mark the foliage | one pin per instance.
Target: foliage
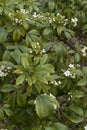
(43, 64)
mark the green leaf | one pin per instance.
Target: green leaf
(21, 99)
(49, 128)
(78, 94)
(59, 30)
(47, 32)
(68, 35)
(42, 79)
(29, 79)
(1, 114)
(6, 55)
(28, 40)
(44, 105)
(16, 34)
(82, 82)
(1, 9)
(12, 99)
(36, 128)
(76, 109)
(59, 126)
(8, 88)
(24, 61)
(60, 50)
(16, 56)
(43, 59)
(20, 79)
(85, 70)
(48, 67)
(77, 58)
(51, 4)
(7, 111)
(84, 27)
(3, 34)
(48, 46)
(75, 119)
(7, 64)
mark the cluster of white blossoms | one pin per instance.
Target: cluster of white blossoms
(58, 18)
(56, 83)
(85, 128)
(24, 11)
(43, 50)
(4, 71)
(74, 21)
(17, 20)
(68, 73)
(35, 15)
(84, 51)
(37, 49)
(71, 66)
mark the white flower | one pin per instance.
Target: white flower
(9, 68)
(23, 11)
(52, 82)
(78, 65)
(67, 73)
(53, 19)
(84, 51)
(59, 82)
(55, 83)
(10, 14)
(85, 128)
(73, 76)
(52, 95)
(30, 51)
(74, 20)
(2, 74)
(38, 43)
(58, 14)
(71, 66)
(43, 50)
(50, 21)
(35, 15)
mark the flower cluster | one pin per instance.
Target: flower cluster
(18, 20)
(18, 15)
(58, 18)
(4, 71)
(68, 73)
(56, 83)
(24, 11)
(35, 15)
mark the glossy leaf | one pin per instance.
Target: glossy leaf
(45, 105)
(20, 79)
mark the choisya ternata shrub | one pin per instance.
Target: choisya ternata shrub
(43, 65)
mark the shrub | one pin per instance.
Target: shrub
(43, 64)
